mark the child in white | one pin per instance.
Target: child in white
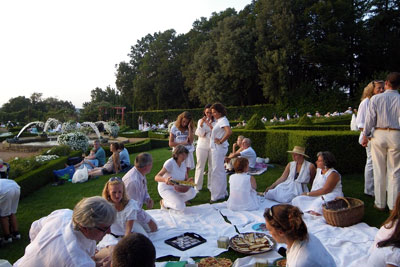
(243, 195)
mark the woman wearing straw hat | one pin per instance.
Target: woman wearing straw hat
(294, 179)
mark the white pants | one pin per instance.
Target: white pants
(369, 173)
(386, 162)
(176, 200)
(218, 175)
(202, 154)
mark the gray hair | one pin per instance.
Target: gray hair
(142, 160)
(179, 149)
(93, 211)
(328, 157)
(247, 141)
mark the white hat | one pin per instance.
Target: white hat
(299, 150)
(3, 168)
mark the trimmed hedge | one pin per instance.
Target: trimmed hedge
(158, 135)
(134, 135)
(275, 144)
(314, 127)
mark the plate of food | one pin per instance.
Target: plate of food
(183, 182)
(280, 262)
(252, 243)
(215, 262)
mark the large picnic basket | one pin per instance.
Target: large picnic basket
(343, 211)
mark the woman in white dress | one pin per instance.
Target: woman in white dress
(294, 179)
(182, 133)
(327, 184)
(219, 147)
(386, 248)
(285, 224)
(175, 196)
(373, 88)
(242, 187)
(203, 151)
(115, 192)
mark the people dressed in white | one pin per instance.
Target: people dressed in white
(286, 225)
(373, 88)
(203, 150)
(246, 151)
(242, 188)
(219, 148)
(383, 115)
(136, 188)
(182, 133)
(294, 179)
(68, 238)
(327, 184)
(9, 199)
(175, 196)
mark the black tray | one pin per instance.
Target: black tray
(186, 241)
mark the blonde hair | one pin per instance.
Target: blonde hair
(93, 211)
(115, 181)
(184, 115)
(369, 89)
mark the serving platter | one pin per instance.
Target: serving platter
(252, 243)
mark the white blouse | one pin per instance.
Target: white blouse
(204, 134)
(219, 132)
(174, 171)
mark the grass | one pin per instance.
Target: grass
(49, 198)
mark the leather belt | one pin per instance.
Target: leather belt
(388, 129)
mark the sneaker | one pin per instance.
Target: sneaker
(7, 239)
(16, 236)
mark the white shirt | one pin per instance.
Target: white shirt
(362, 112)
(204, 134)
(249, 154)
(380, 257)
(6, 185)
(241, 196)
(309, 252)
(180, 137)
(129, 213)
(54, 242)
(219, 132)
(174, 171)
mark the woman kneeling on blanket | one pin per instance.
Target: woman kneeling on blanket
(175, 196)
(294, 179)
(326, 186)
(385, 251)
(286, 225)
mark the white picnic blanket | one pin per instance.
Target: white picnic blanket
(346, 244)
(203, 220)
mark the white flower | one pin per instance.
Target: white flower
(75, 140)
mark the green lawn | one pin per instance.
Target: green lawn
(50, 198)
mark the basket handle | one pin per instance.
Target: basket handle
(345, 200)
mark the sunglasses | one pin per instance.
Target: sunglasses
(269, 213)
(102, 230)
(112, 179)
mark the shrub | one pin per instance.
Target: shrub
(75, 140)
(158, 134)
(324, 127)
(135, 134)
(61, 151)
(112, 128)
(305, 120)
(255, 123)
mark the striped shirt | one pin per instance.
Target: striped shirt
(383, 111)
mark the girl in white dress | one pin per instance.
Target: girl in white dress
(294, 179)
(243, 194)
(182, 133)
(219, 147)
(203, 151)
(327, 184)
(114, 192)
(285, 224)
(175, 196)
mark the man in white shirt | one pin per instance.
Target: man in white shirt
(136, 188)
(246, 151)
(384, 114)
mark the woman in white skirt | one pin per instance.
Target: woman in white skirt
(327, 184)
(242, 187)
(219, 147)
(175, 196)
(294, 179)
(182, 133)
(203, 151)
(373, 88)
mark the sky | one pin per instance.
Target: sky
(67, 48)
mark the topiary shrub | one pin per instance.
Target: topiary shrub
(60, 150)
(255, 123)
(305, 121)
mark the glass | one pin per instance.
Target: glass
(102, 230)
(112, 179)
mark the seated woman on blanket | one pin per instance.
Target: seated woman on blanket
(326, 186)
(386, 248)
(175, 196)
(286, 225)
(294, 179)
(243, 194)
(114, 192)
(113, 165)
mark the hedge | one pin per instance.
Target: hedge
(314, 127)
(274, 144)
(158, 135)
(134, 134)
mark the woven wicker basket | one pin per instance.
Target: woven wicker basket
(343, 211)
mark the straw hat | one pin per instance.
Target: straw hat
(3, 168)
(299, 150)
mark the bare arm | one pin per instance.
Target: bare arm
(159, 177)
(330, 184)
(313, 171)
(281, 179)
(228, 132)
(129, 226)
(253, 183)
